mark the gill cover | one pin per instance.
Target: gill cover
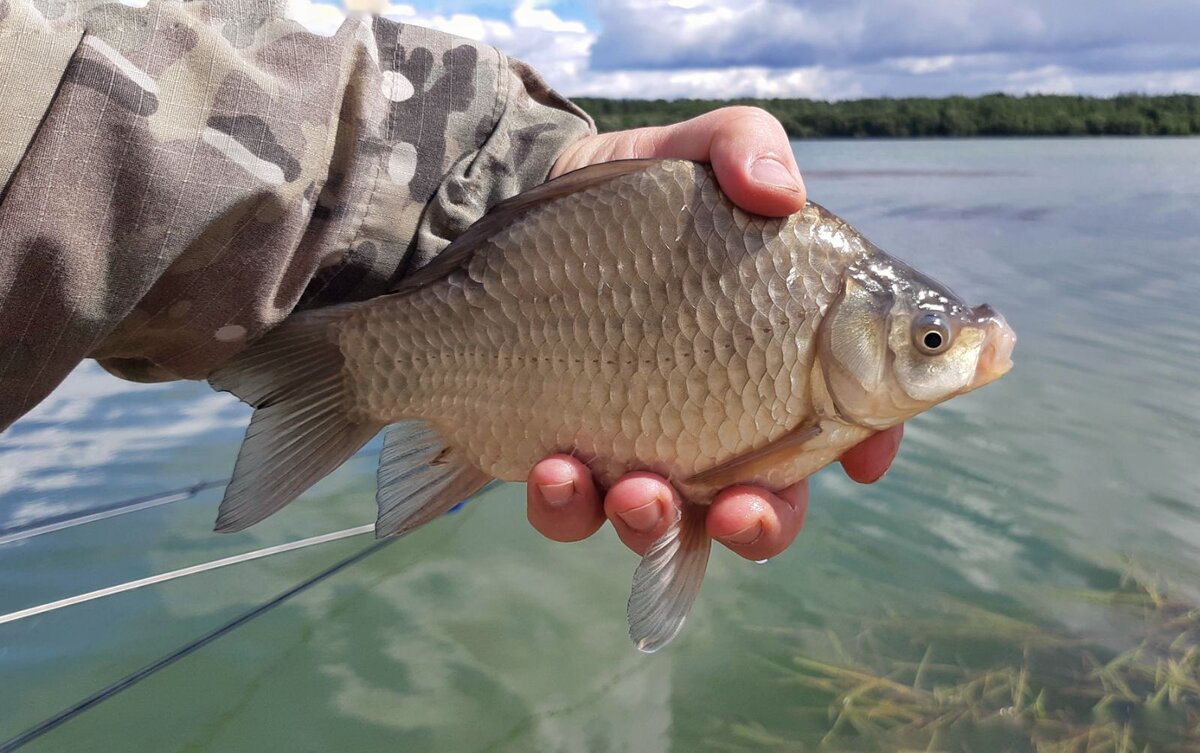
(853, 344)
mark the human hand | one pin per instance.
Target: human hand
(754, 165)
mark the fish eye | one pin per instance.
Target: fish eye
(931, 334)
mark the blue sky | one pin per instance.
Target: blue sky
(574, 10)
(829, 49)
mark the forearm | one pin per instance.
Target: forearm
(194, 179)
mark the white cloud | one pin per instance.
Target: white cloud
(560, 49)
(922, 65)
(528, 15)
(830, 49)
(556, 47)
(795, 33)
(740, 81)
(92, 421)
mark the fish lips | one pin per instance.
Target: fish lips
(995, 357)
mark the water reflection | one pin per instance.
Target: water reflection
(97, 438)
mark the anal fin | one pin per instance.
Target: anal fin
(420, 478)
(666, 582)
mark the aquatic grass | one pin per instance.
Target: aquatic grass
(922, 685)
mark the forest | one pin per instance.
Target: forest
(988, 115)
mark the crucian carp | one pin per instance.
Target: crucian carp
(627, 313)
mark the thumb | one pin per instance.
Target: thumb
(750, 154)
(747, 147)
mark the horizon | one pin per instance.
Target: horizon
(982, 95)
(820, 49)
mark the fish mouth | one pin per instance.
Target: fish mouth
(995, 357)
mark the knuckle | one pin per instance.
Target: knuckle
(644, 142)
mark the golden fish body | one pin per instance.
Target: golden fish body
(627, 313)
(669, 339)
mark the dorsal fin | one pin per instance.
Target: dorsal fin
(503, 214)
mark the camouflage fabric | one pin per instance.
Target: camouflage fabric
(178, 178)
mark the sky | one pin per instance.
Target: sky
(823, 49)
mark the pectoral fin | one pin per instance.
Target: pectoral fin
(749, 465)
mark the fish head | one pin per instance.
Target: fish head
(894, 343)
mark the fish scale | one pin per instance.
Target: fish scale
(627, 313)
(502, 358)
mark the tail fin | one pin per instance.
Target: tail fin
(668, 579)
(299, 433)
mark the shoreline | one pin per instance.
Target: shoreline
(986, 116)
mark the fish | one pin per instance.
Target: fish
(629, 314)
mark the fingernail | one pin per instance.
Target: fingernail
(747, 535)
(557, 495)
(772, 172)
(761, 562)
(643, 518)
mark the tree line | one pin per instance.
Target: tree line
(988, 115)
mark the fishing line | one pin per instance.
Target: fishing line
(133, 678)
(52, 523)
(91, 515)
(185, 571)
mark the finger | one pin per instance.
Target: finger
(867, 461)
(755, 523)
(561, 499)
(751, 156)
(748, 148)
(641, 506)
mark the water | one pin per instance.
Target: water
(1005, 513)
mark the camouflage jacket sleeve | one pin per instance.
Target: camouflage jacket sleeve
(178, 178)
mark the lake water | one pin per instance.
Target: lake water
(993, 545)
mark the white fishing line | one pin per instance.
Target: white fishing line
(10, 534)
(120, 509)
(183, 572)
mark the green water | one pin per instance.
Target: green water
(475, 634)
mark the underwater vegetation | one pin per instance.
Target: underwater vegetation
(978, 681)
